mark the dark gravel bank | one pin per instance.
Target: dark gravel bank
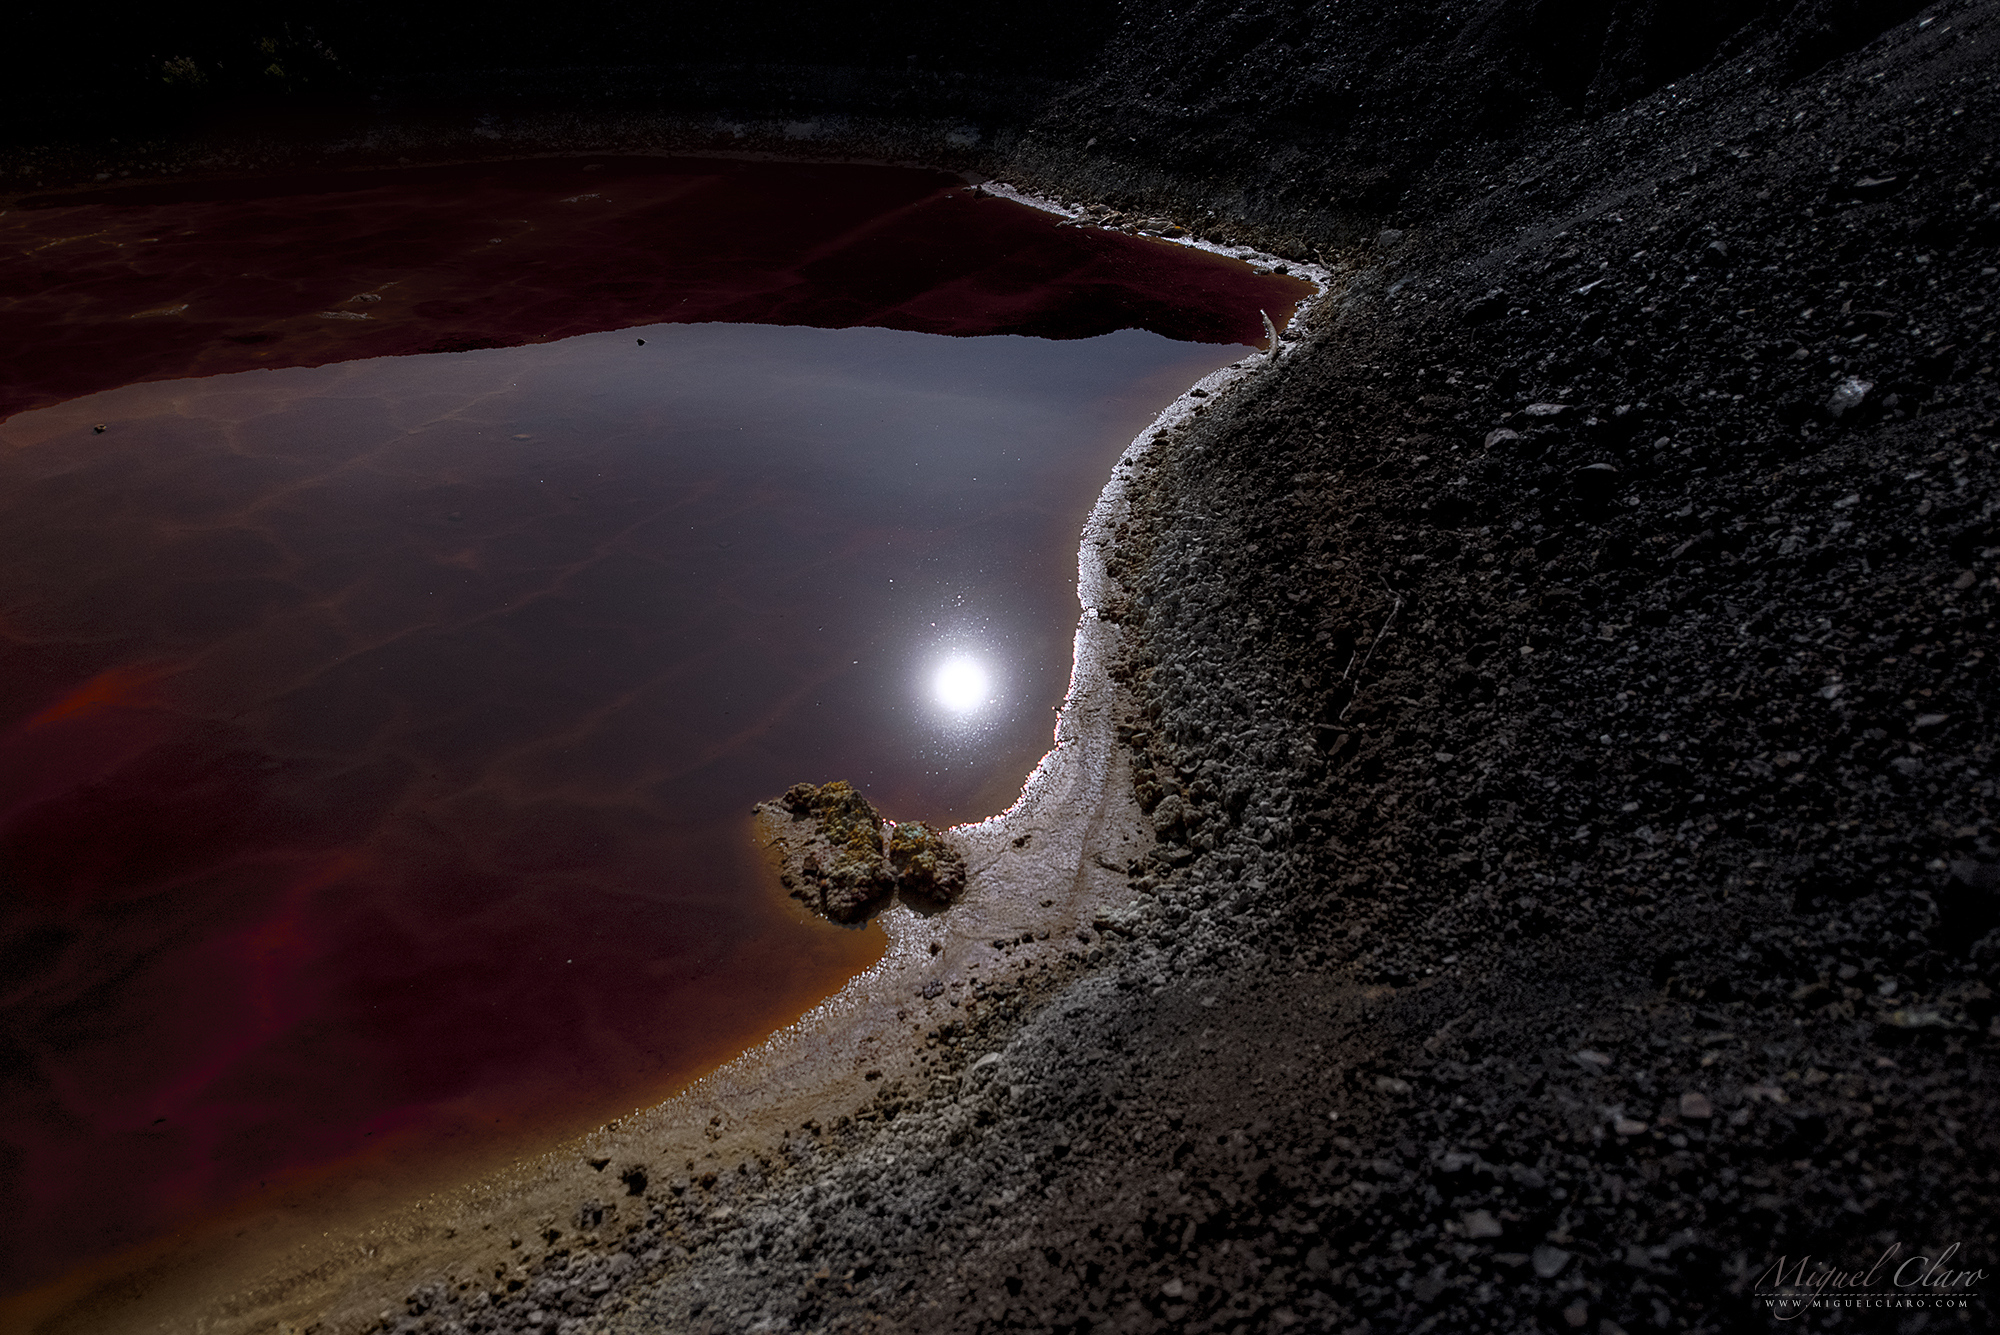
(1568, 715)
(1570, 733)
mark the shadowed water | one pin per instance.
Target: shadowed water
(105, 287)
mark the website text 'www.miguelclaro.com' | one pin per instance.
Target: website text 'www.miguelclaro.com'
(1896, 1279)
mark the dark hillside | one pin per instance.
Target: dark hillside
(1322, 121)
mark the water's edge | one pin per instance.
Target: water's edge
(1042, 875)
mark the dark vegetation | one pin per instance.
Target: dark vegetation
(1567, 710)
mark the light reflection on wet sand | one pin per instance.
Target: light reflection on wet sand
(378, 736)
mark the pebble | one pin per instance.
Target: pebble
(1550, 1261)
(1847, 396)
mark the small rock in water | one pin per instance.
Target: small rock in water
(1482, 1224)
(925, 864)
(842, 859)
(1550, 1261)
(1696, 1107)
(831, 848)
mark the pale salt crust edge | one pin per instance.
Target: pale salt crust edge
(1076, 767)
(1093, 582)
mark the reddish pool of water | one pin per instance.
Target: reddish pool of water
(377, 738)
(107, 287)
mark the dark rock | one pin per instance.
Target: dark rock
(1968, 903)
(1487, 309)
(1595, 481)
(925, 862)
(1550, 1261)
(830, 841)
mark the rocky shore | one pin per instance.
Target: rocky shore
(1567, 702)
(1554, 883)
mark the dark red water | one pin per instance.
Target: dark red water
(376, 738)
(150, 282)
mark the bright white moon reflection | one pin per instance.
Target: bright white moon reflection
(961, 685)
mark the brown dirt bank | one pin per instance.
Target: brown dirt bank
(1564, 701)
